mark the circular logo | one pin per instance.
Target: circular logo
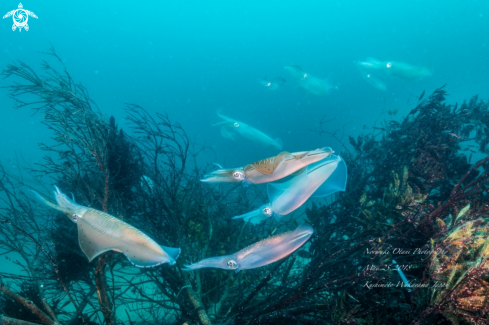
(20, 18)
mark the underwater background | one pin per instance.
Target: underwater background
(190, 59)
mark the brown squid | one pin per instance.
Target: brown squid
(269, 169)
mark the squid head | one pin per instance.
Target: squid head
(229, 175)
(273, 84)
(228, 125)
(256, 216)
(65, 205)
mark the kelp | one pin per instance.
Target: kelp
(413, 196)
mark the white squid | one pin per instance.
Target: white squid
(316, 86)
(401, 70)
(259, 254)
(232, 127)
(320, 179)
(99, 232)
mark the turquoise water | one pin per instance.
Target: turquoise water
(192, 58)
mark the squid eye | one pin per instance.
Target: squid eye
(236, 124)
(75, 217)
(305, 75)
(368, 76)
(238, 175)
(389, 64)
(232, 264)
(267, 211)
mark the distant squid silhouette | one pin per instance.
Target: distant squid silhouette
(232, 127)
(401, 70)
(316, 86)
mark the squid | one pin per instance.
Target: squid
(407, 71)
(259, 254)
(370, 78)
(312, 84)
(99, 232)
(232, 126)
(270, 169)
(273, 84)
(316, 86)
(372, 63)
(374, 82)
(397, 69)
(320, 179)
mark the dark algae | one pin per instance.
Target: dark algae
(406, 243)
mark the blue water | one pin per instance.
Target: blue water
(191, 58)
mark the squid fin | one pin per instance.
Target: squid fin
(91, 240)
(335, 182)
(172, 251)
(265, 166)
(280, 159)
(273, 191)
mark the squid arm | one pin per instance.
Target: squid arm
(336, 182)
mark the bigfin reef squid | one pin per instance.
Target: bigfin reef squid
(269, 169)
(232, 126)
(320, 179)
(99, 232)
(371, 77)
(259, 254)
(401, 70)
(316, 86)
